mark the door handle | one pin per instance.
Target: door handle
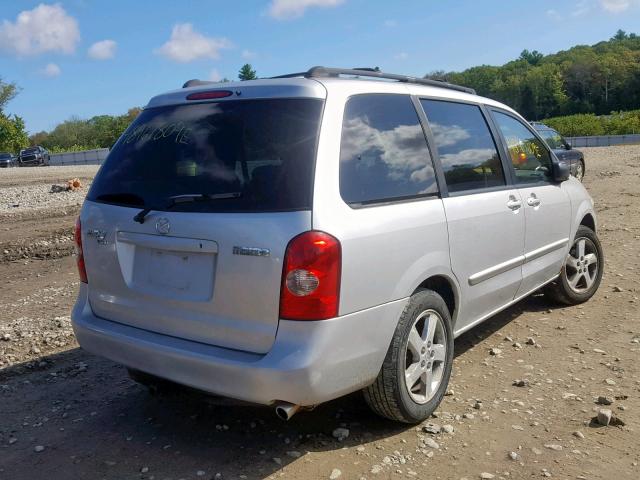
(513, 203)
(533, 201)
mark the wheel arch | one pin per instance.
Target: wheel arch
(588, 220)
(447, 288)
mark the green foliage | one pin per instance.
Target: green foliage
(596, 79)
(247, 72)
(585, 124)
(533, 58)
(77, 134)
(13, 135)
(7, 92)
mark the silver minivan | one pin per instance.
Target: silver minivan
(288, 241)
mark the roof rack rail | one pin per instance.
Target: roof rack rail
(318, 72)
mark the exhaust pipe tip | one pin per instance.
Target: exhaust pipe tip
(285, 410)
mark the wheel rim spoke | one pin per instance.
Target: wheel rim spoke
(413, 374)
(573, 281)
(580, 248)
(415, 342)
(429, 330)
(591, 258)
(430, 385)
(439, 353)
(572, 262)
(588, 278)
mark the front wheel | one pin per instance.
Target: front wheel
(582, 271)
(416, 370)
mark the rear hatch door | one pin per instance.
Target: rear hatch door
(186, 224)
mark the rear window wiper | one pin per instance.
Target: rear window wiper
(186, 198)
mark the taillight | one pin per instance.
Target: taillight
(77, 236)
(311, 277)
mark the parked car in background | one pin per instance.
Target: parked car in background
(288, 241)
(562, 149)
(7, 160)
(33, 156)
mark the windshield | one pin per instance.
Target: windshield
(260, 153)
(553, 139)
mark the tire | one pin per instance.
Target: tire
(573, 287)
(389, 396)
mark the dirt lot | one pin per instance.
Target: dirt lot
(65, 414)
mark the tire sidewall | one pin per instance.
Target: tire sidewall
(424, 300)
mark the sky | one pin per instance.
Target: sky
(88, 57)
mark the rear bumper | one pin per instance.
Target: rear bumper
(309, 363)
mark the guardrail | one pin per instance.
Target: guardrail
(603, 140)
(86, 157)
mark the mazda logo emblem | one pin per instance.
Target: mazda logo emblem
(163, 226)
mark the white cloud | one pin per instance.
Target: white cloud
(103, 50)
(215, 76)
(618, 6)
(582, 8)
(46, 28)
(401, 56)
(402, 149)
(248, 54)
(390, 23)
(470, 156)
(447, 136)
(554, 15)
(287, 9)
(186, 45)
(51, 70)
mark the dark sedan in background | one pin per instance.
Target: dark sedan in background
(7, 160)
(33, 156)
(562, 149)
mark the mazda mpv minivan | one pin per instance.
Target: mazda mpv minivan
(288, 241)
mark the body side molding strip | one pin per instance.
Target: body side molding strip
(491, 272)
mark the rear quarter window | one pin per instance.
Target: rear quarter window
(383, 151)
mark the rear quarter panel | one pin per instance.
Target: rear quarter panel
(387, 250)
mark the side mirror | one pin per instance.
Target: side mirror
(567, 146)
(561, 171)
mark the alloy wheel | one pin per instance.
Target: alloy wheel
(425, 356)
(581, 267)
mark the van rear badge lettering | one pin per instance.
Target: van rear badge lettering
(252, 251)
(163, 226)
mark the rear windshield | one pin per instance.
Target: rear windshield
(240, 156)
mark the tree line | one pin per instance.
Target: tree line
(596, 79)
(587, 89)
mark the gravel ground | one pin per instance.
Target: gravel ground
(525, 411)
(29, 197)
(47, 175)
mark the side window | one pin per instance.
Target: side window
(467, 152)
(383, 152)
(553, 139)
(530, 158)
